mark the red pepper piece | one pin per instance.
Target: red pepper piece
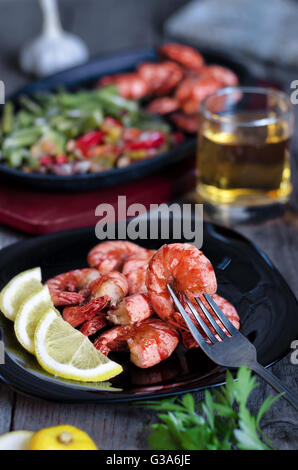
(88, 141)
(155, 140)
(61, 159)
(131, 133)
(46, 160)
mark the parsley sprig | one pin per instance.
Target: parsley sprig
(220, 422)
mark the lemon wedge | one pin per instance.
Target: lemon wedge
(15, 292)
(28, 316)
(16, 440)
(65, 352)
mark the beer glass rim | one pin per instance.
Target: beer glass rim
(282, 114)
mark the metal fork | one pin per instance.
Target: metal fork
(232, 351)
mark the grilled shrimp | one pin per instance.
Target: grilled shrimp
(203, 88)
(162, 78)
(113, 284)
(184, 90)
(93, 325)
(132, 309)
(163, 105)
(135, 270)
(109, 289)
(77, 315)
(186, 56)
(227, 308)
(114, 339)
(186, 269)
(149, 342)
(68, 288)
(153, 341)
(110, 255)
(193, 90)
(129, 85)
(186, 122)
(224, 75)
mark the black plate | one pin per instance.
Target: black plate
(267, 308)
(86, 76)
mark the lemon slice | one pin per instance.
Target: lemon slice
(16, 440)
(65, 352)
(15, 292)
(28, 316)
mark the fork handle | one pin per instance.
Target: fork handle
(275, 383)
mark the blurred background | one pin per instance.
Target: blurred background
(257, 31)
(104, 25)
(260, 34)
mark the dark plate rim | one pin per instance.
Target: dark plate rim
(92, 396)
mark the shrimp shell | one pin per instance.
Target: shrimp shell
(149, 342)
(129, 85)
(68, 288)
(186, 56)
(75, 316)
(135, 270)
(198, 90)
(161, 77)
(132, 309)
(163, 105)
(110, 255)
(93, 325)
(112, 340)
(186, 269)
(152, 341)
(224, 75)
(113, 284)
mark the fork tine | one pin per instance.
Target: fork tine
(201, 322)
(224, 320)
(192, 328)
(210, 318)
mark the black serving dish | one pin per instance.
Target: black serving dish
(268, 311)
(86, 76)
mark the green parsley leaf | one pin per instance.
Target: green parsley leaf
(222, 421)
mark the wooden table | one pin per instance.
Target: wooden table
(122, 426)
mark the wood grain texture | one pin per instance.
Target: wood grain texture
(7, 402)
(108, 25)
(7, 396)
(114, 427)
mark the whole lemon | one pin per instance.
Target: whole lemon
(63, 437)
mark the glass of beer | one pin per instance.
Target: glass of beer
(243, 152)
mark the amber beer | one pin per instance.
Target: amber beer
(243, 154)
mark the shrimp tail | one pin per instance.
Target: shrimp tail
(113, 340)
(66, 298)
(93, 325)
(75, 316)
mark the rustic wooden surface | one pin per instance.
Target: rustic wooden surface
(122, 426)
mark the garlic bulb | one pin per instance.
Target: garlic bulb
(54, 49)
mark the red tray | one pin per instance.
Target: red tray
(44, 212)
